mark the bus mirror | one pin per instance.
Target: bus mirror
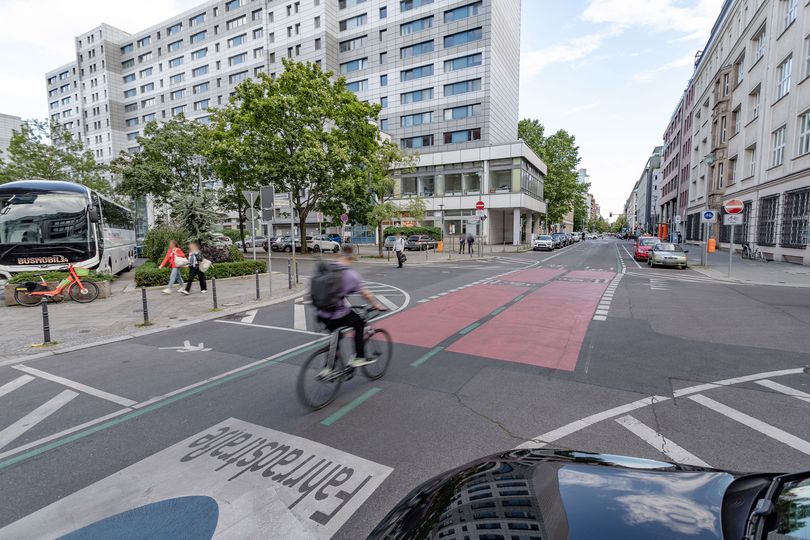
(92, 213)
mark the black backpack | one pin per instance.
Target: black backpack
(326, 285)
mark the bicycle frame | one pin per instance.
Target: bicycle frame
(72, 277)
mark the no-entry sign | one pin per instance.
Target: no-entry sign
(479, 205)
(734, 206)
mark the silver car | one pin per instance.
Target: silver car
(666, 254)
(543, 242)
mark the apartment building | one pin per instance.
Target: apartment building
(675, 167)
(751, 126)
(445, 72)
(8, 124)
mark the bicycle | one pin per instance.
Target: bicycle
(753, 253)
(325, 370)
(32, 293)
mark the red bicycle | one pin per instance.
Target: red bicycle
(31, 293)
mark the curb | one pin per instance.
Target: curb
(737, 281)
(203, 318)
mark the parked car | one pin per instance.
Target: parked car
(420, 242)
(334, 237)
(321, 242)
(548, 493)
(283, 243)
(389, 243)
(576, 237)
(543, 242)
(559, 240)
(667, 254)
(219, 240)
(644, 245)
(269, 242)
(249, 241)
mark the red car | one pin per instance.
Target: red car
(644, 245)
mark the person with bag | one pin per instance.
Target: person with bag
(174, 259)
(329, 287)
(399, 250)
(197, 266)
(470, 242)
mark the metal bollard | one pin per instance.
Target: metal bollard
(297, 281)
(258, 295)
(426, 253)
(145, 307)
(289, 273)
(46, 323)
(269, 278)
(214, 290)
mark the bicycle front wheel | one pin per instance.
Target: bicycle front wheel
(84, 294)
(318, 384)
(23, 296)
(378, 347)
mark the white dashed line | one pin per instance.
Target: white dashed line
(673, 451)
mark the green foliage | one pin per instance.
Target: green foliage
(157, 242)
(195, 213)
(169, 161)
(56, 275)
(435, 232)
(561, 155)
(235, 254)
(30, 157)
(149, 275)
(233, 234)
(599, 225)
(619, 224)
(581, 217)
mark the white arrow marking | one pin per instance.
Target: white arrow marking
(188, 347)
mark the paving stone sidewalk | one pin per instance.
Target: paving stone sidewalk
(747, 271)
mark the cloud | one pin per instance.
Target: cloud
(695, 21)
(648, 75)
(573, 49)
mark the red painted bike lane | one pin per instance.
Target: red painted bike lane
(546, 329)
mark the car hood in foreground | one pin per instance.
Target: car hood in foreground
(554, 494)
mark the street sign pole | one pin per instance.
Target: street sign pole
(253, 229)
(731, 248)
(292, 238)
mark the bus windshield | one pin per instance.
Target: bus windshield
(50, 218)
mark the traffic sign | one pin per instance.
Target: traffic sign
(344, 218)
(708, 216)
(479, 205)
(677, 219)
(473, 219)
(734, 206)
(480, 213)
(250, 196)
(733, 219)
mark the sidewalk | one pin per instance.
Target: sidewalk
(369, 254)
(121, 315)
(747, 271)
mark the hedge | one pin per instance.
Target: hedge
(58, 275)
(149, 275)
(435, 232)
(157, 242)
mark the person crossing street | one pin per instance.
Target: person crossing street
(399, 249)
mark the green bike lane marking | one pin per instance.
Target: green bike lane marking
(349, 407)
(283, 357)
(427, 356)
(470, 328)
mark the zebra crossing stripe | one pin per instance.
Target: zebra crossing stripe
(782, 389)
(36, 416)
(16, 383)
(386, 302)
(673, 451)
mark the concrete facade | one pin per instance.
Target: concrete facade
(8, 124)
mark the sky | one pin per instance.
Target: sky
(608, 71)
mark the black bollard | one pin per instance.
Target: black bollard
(258, 296)
(145, 308)
(214, 290)
(46, 323)
(289, 273)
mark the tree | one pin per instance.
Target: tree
(561, 155)
(170, 161)
(29, 156)
(581, 217)
(305, 134)
(620, 223)
(196, 214)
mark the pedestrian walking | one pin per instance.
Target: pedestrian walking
(462, 241)
(174, 259)
(196, 268)
(399, 249)
(470, 242)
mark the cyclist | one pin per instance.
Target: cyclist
(343, 315)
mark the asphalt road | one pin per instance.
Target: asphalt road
(579, 348)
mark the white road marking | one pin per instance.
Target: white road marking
(187, 347)
(249, 316)
(300, 317)
(124, 402)
(270, 327)
(782, 389)
(660, 443)
(423, 301)
(35, 417)
(736, 380)
(754, 423)
(601, 312)
(16, 383)
(386, 302)
(435, 296)
(631, 256)
(599, 318)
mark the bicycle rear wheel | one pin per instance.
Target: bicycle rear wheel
(23, 296)
(314, 389)
(379, 347)
(83, 295)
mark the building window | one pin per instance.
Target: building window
(343, 4)
(791, 8)
(129, 78)
(357, 86)
(778, 146)
(127, 48)
(131, 122)
(416, 96)
(726, 85)
(174, 29)
(354, 65)
(417, 49)
(739, 69)
(384, 80)
(416, 119)
(174, 45)
(804, 133)
(258, 53)
(783, 77)
(384, 124)
(132, 136)
(200, 53)
(236, 78)
(384, 102)
(131, 107)
(465, 135)
(754, 98)
(128, 63)
(201, 88)
(197, 20)
(418, 25)
(460, 38)
(417, 142)
(202, 70)
(147, 87)
(384, 12)
(353, 22)
(462, 87)
(736, 118)
(174, 79)
(732, 170)
(767, 220)
(201, 105)
(751, 159)
(148, 117)
(237, 40)
(723, 129)
(256, 15)
(463, 62)
(462, 12)
(794, 218)
(408, 5)
(237, 59)
(174, 62)
(720, 174)
(416, 73)
(383, 57)
(178, 94)
(130, 93)
(196, 38)
(236, 23)
(144, 41)
(147, 103)
(352, 44)
(180, 109)
(232, 4)
(760, 42)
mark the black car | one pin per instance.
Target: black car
(559, 240)
(420, 242)
(556, 494)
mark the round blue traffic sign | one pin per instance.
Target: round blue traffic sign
(708, 214)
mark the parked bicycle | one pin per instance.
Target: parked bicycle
(326, 369)
(753, 253)
(32, 293)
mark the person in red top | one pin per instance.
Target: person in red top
(172, 254)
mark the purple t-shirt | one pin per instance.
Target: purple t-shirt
(352, 284)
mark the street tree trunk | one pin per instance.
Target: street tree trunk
(380, 239)
(240, 214)
(302, 226)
